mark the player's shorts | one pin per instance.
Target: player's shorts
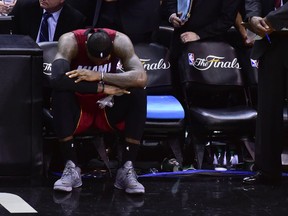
(92, 116)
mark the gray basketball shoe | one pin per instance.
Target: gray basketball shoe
(71, 178)
(126, 179)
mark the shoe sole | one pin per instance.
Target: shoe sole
(130, 191)
(59, 188)
(134, 191)
(67, 189)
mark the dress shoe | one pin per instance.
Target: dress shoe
(261, 178)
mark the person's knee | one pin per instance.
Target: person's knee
(59, 68)
(138, 93)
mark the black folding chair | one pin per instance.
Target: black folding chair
(219, 110)
(165, 114)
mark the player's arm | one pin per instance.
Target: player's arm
(134, 74)
(67, 51)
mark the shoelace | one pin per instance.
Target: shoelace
(67, 171)
(131, 175)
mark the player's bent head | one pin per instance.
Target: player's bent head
(99, 44)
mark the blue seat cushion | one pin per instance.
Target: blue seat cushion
(164, 107)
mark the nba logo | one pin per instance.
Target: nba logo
(254, 63)
(191, 58)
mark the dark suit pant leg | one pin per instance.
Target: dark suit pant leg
(271, 92)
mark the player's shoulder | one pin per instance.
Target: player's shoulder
(122, 40)
(67, 37)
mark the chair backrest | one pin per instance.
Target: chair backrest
(49, 52)
(163, 35)
(211, 74)
(155, 59)
(251, 76)
(210, 62)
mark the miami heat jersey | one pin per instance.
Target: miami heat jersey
(91, 114)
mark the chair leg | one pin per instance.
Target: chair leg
(250, 147)
(175, 145)
(47, 155)
(199, 149)
(100, 146)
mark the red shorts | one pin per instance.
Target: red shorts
(92, 116)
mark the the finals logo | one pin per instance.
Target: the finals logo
(212, 61)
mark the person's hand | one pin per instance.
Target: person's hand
(247, 42)
(87, 75)
(270, 29)
(175, 20)
(244, 34)
(6, 8)
(260, 26)
(84, 75)
(189, 37)
(243, 31)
